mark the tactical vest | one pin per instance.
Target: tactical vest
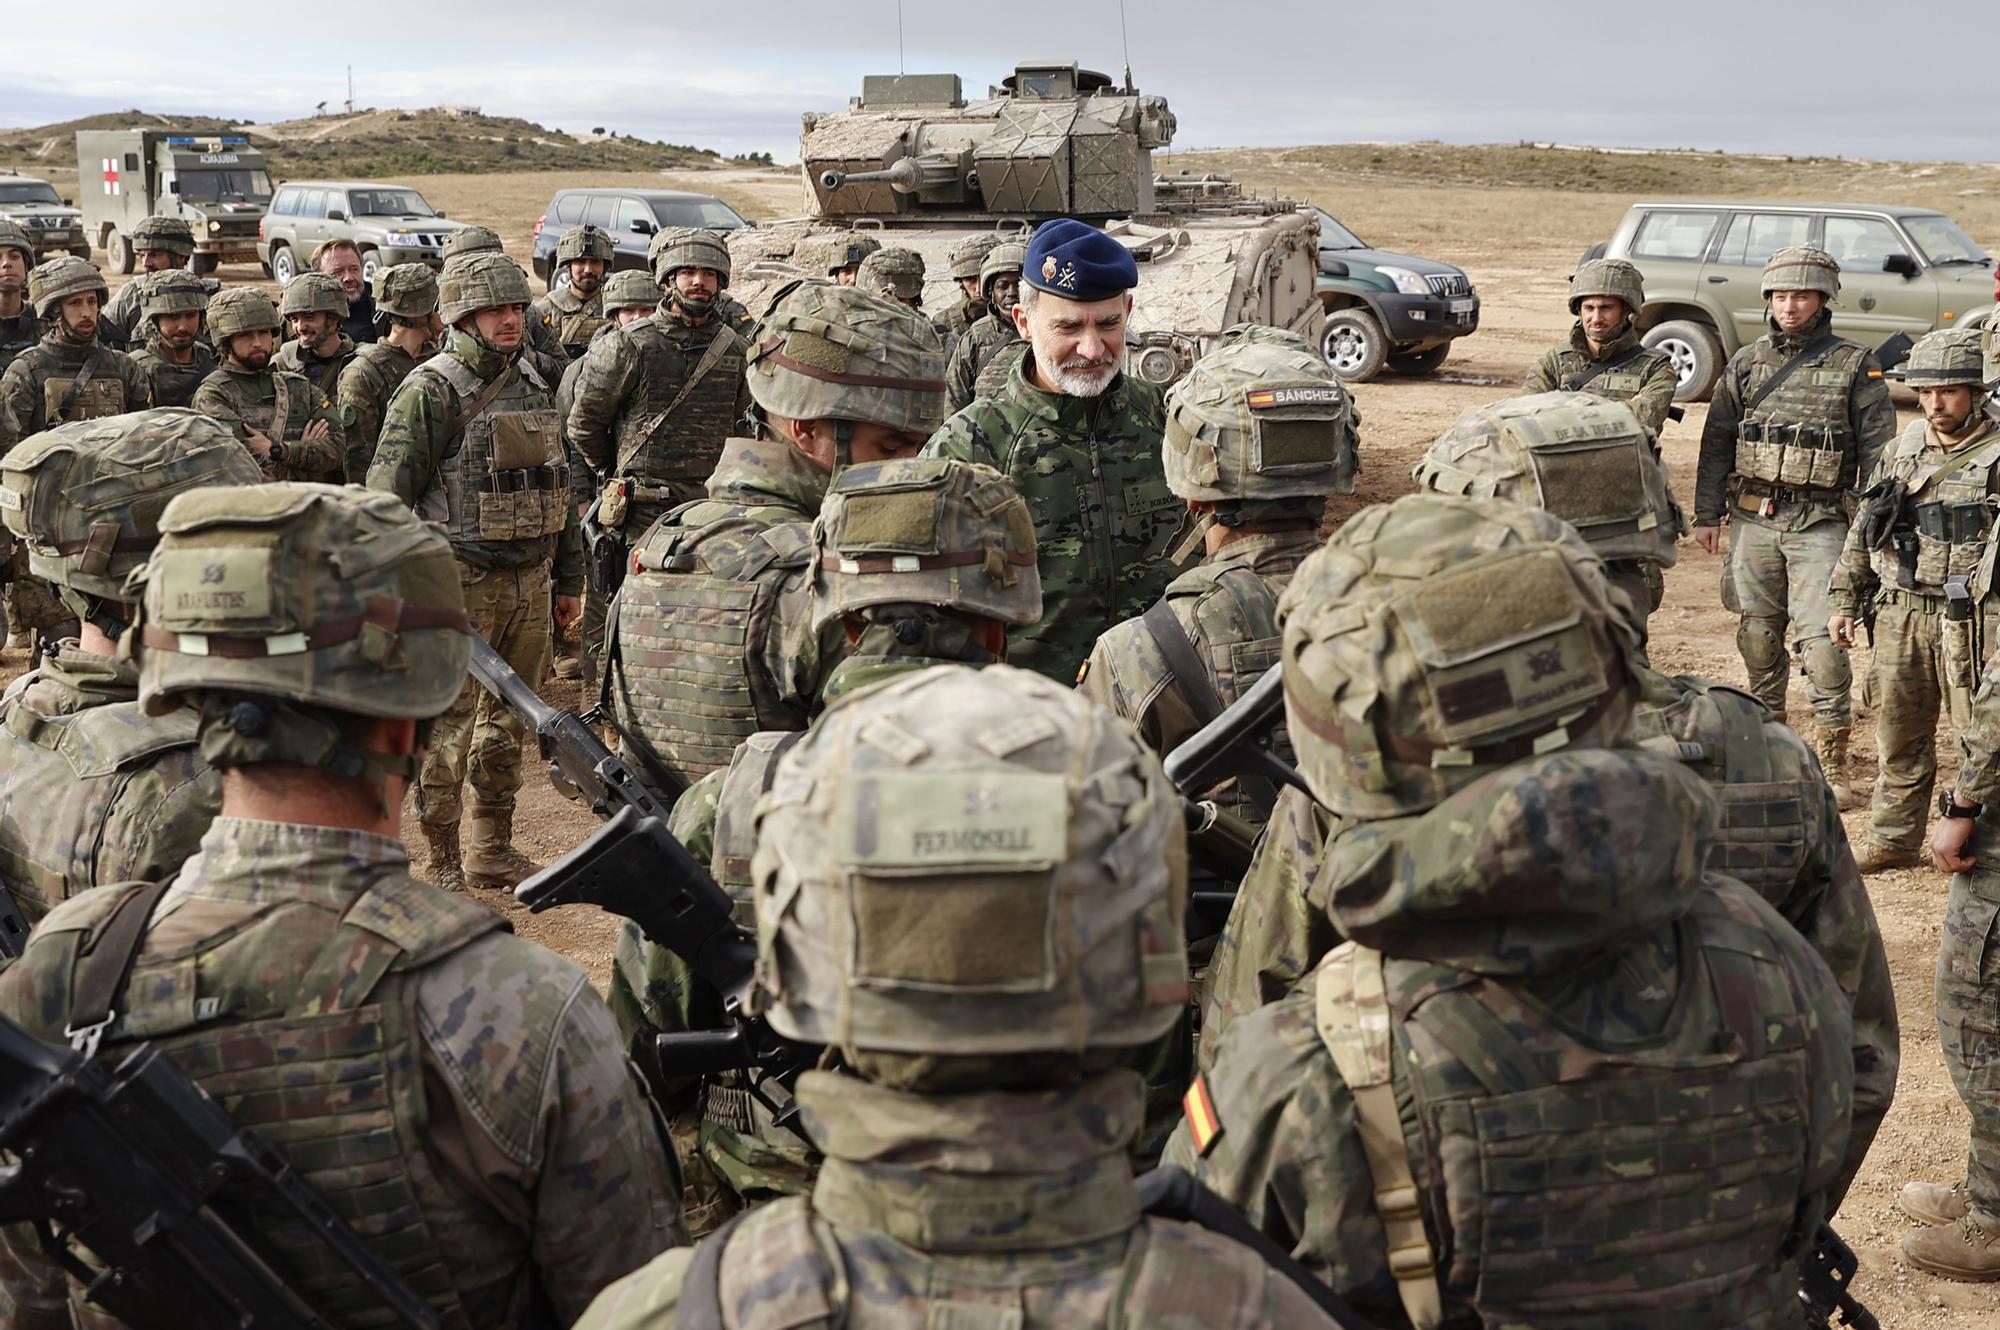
(60, 779)
(102, 394)
(574, 322)
(689, 621)
(751, 770)
(300, 1024)
(17, 335)
(681, 451)
(1799, 436)
(1951, 514)
(505, 475)
(1665, 1174)
(170, 383)
(1235, 628)
(247, 393)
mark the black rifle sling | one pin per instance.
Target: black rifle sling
(76, 385)
(98, 980)
(1590, 375)
(1823, 342)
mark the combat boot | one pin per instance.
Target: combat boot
(491, 861)
(1969, 1249)
(1832, 748)
(1933, 1202)
(568, 667)
(447, 868)
(1875, 857)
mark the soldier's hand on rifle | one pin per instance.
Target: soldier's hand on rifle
(1841, 628)
(1708, 537)
(568, 610)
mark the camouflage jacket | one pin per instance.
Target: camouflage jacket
(417, 436)
(92, 789)
(570, 319)
(1852, 401)
(965, 376)
(170, 382)
(366, 385)
(17, 334)
(247, 399)
(119, 324)
(734, 313)
(488, 1136)
(40, 377)
(1550, 1015)
(1643, 380)
(1090, 470)
(975, 1210)
(1228, 607)
(323, 372)
(630, 375)
(1946, 522)
(965, 312)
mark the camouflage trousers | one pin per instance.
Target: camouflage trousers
(1778, 577)
(478, 741)
(1968, 1013)
(1916, 674)
(31, 603)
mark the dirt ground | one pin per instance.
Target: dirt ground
(1519, 244)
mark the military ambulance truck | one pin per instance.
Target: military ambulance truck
(216, 181)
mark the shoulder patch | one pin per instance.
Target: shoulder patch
(1203, 1125)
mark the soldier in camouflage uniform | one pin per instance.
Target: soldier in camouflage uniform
(471, 441)
(20, 327)
(922, 563)
(1798, 421)
(1603, 355)
(406, 301)
(898, 274)
(1513, 1022)
(162, 245)
(965, 259)
(1258, 434)
(313, 307)
(981, 1086)
(92, 789)
(543, 351)
(1081, 440)
(173, 355)
(573, 312)
(980, 361)
(845, 254)
(457, 1095)
(727, 307)
(1922, 551)
(713, 634)
(290, 425)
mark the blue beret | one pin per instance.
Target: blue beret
(1077, 261)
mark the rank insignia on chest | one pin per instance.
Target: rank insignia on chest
(1203, 1125)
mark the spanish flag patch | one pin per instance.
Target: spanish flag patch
(1203, 1125)
(1874, 373)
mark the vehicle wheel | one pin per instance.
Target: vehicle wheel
(1354, 345)
(118, 252)
(284, 266)
(201, 265)
(1696, 353)
(371, 263)
(1418, 363)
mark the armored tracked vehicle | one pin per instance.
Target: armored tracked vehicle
(915, 164)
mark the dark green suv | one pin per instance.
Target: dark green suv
(1387, 309)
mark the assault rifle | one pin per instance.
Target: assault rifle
(142, 1168)
(1825, 1285)
(1235, 743)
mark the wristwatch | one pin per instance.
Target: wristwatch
(1949, 806)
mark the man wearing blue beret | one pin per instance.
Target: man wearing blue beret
(1081, 441)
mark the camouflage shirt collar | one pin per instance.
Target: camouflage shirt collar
(1579, 342)
(978, 1172)
(766, 471)
(56, 342)
(1270, 553)
(1079, 414)
(482, 360)
(72, 679)
(255, 862)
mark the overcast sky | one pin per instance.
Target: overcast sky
(1835, 77)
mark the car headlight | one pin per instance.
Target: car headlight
(1409, 283)
(1158, 364)
(214, 228)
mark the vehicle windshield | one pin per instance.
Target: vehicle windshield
(1942, 242)
(389, 203)
(713, 214)
(29, 191)
(215, 186)
(1332, 235)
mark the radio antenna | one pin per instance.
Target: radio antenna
(1125, 38)
(900, 66)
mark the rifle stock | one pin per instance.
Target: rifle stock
(1826, 1284)
(1232, 744)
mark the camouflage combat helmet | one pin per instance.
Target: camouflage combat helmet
(1261, 417)
(172, 291)
(1946, 357)
(471, 240)
(406, 290)
(51, 283)
(970, 863)
(172, 234)
(1005, 257)
(688, 247)
(1608, 277)
(633, 286)
(894, 274)
(1993, 351)
(313, 293)
(1585, 458)
(240, 309)
(1434, 639)
(1801, 268)
(480, 282)
(969, 254)
(13, 237)
(926, 531)
(833, 352)
(585, 242)
(332, 596)
(86, 497)
(849, 249)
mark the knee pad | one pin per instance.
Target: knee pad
(1762, 644)
(1826, 664)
